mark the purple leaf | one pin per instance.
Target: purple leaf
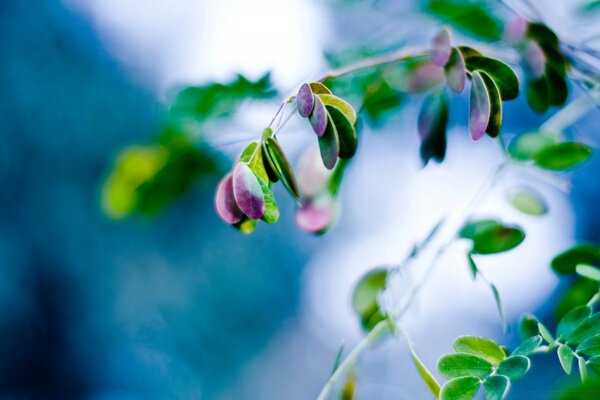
(305, 100)
(535, 60)
(247, 191)
(456, 72)
(318, 118)
(479, 107)
(515, 30)
(225, 201)
(440, 49)
(315, 218)
(424, 77)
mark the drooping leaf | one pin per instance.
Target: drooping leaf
(524, 147)
(588, 271)
(498, 239)
(456, 71)
(253, 156)
(562, 156)
(305, 100)
(342, 105)
(430, 381)
(587, 329)
(329, 144)
(346, 132)
(469, 17)
(528, 346)
(545, 333)
(463, 388)
(528, 326)
(528, 201)
(496, 387)
(495, 121)
(514, 367)
(271, 214)
(504, 77)
(225, 201)
(365, 295)
(537, 93)
(559, 91)
(480, 107)
(463, 364)
(566, 356)
(247, 191)
(472, 265)
(499, 305)
(567, 261)
(572, 320)
(441, 47)
(479, 346)
(431, 123)
(281, 166)
(319, 117)
(590, 346)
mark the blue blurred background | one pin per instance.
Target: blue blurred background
(182, 306)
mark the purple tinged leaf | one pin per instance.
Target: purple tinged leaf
(441, 47)
(456, 71)
(329, 145)
(247, 191)
(316, 217)
(479, 108)
(318, 118)
(225, 201)
(424, 77)
(535, 59)
(515, 30)
(495, 120)
(305, 100)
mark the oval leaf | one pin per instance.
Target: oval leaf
(498, 239)
(440, 49)
(431, 124)
(482, 347)
(247, 191)
(572, 320)
(318, 118)
(590, 346)
(567, 261)
(456, 71)
(479, 107)
(329, 145)
(305, 100)
(430, 381)
(528, 201)
(463, 364)
(504, 77)
(566, 356)
(588, 328)
(463, 388)
(514, 367)
(345, 131)
(527, 145)
(281, 166)
(225, 201)
(538, 94)
(562, 156)
(528, 346)
(495, 121)
(496, 387)
(365, 295)
(271, 214)
(343, 106)
(588, 271)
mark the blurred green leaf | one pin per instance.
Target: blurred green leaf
(431, 123)
(528, 326)
(588, 271)
(525, 146)
(562, 156)
(537, 92)
(528, 201)
(590, 346)
(365, 297)
(579, 293)
(567, 261)
(470, 17)
(491, 237)
(587, 329)
(584, 391)
(430, 381)
(279, 163)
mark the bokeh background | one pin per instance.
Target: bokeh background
(179, 305)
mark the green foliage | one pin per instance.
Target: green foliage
(562, 156)
(567, 261)
(279, 164)
(504, 77)
(432, 123)
(528, 201)
(525, 146)
(430, 381)
(471, 17)
(491, 237)
(365, 297)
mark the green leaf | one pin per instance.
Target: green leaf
(578, 294)
(479, 346)
(504, 77)
(430, 381)
(253, 155)
(342, 105)
(472, 229)
(469, 17)
(545, 333)
(346, 131)
(431, 123)
(582, 369)
(329, 144)
(499, 305)
(219, 100)
(498, 239)
(528, 201)
(528, 326)
(594, 363)
(365, 296)
(572, 320)
(562, 156)
(528, 346)
(338, 359)
(281, 166)
(559, 91)
(463, 388)
(496, 387)
(542, 34)
(514, 367)
(525, 146)
(537, 93)
(472, 265)
(587, 329)
(588, 271)
(567, 261)
(271, 214)
(495, 121)
(463, 364)
(590, 346)
(566, 356)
